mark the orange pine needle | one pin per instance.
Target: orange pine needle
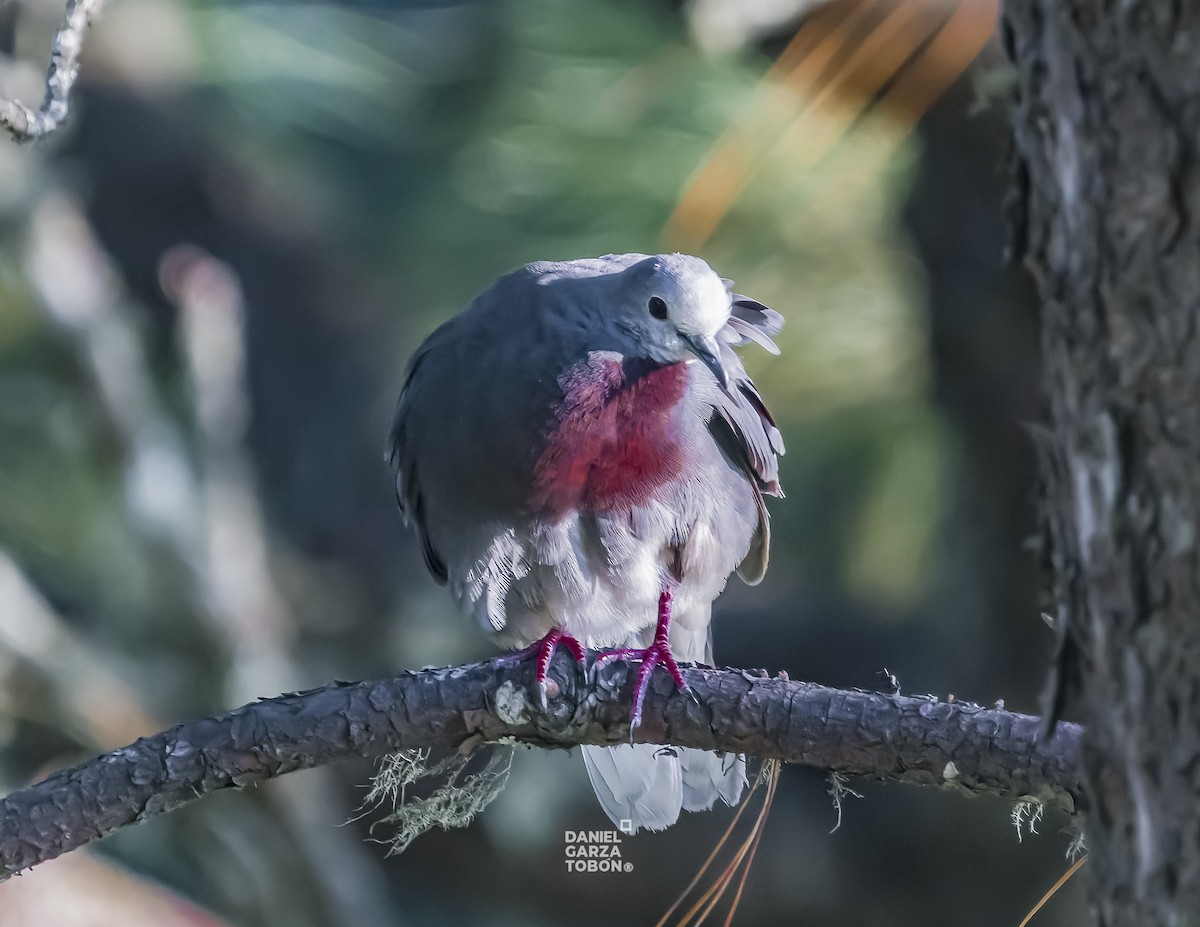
(912, 53)
(713, 893)
(1054, 889)
(737, 897)
(711, 856)
(940, 63)
(708, 900)
(745, 852)
(722, 175)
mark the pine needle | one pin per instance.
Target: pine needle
(711, 856)
(849, 59)
(742, 860)
(737, 898)
(1063, 879)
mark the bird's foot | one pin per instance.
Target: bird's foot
(543, 650)
(657, 653)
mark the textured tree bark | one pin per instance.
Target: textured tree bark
(921, 740)
(1107, 128)
(25, 124)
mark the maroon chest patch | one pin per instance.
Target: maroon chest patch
(615, 439)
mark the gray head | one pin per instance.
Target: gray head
(672, 306)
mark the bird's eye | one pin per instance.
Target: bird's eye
(658, 308)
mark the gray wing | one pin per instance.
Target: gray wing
(743, 427)
(475, 400)
(402, 455)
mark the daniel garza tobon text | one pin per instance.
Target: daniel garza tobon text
(594, 851)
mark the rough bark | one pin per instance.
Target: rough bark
(922, 740)
(25, 124)
(1107, 128)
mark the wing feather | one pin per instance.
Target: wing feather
(400, 454)
(743, 427)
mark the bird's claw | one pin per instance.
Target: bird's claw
(657, 653)
(543, 651)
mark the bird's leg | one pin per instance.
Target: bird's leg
(544, 651)
(658, 652)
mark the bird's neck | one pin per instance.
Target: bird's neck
(615, 437)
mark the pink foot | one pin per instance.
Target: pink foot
(658, 652)
(544, 651)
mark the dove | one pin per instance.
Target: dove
(584, 461)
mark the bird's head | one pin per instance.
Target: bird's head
(673, 305)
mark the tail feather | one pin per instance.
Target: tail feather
(709, 776)
(647, 785)
(635, 783)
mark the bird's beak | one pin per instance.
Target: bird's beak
(706, 348)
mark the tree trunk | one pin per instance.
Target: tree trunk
(1107, 130)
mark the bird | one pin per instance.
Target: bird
(584, 461)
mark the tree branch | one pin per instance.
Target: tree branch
(25, 124)
(919, 740)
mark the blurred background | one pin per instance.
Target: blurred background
(210, 281)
